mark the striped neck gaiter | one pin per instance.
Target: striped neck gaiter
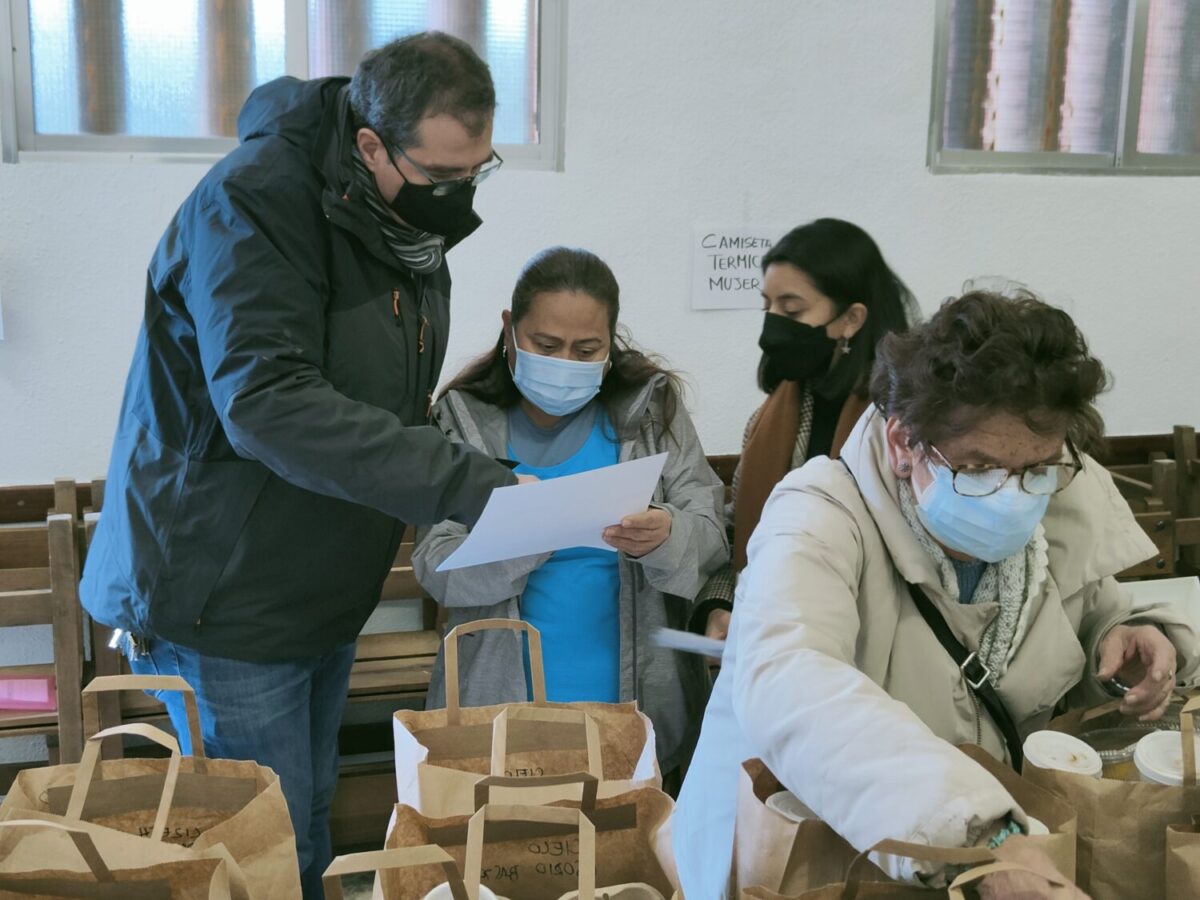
(421, 251)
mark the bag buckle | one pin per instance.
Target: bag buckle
(975, 671)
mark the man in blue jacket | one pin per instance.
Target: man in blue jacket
(274, 440)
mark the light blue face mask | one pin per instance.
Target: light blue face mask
(556, 386)
(990, 528)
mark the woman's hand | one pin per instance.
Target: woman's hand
(638, 534)
(718, 624)
(1142, 658)
(1025, 885)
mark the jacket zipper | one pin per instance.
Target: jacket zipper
(396, 306)
(978, 719)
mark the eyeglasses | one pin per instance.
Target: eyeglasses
(452, 185)
(1042, 480)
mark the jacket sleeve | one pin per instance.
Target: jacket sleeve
(475, 585)
(865, 763)
(260, 327)
(1110, 604)
(693, 495)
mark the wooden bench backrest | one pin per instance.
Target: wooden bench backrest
(39, 585)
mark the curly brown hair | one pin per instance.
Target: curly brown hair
(988, 352)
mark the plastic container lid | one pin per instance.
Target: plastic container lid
(788, 805)
(1159, 758)
(1055, 750)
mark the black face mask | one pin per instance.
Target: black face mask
(446, 215)
(795, 351)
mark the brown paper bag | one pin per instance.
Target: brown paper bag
(788, 857)
(45, 859)
(855, 886)
(1049, 808)
(1183, 861)
(216, 801)
(1122, 825)
(777, 854)
(537, 859)
(427, 856)
(442, 753)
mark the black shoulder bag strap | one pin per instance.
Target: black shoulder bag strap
(974, 671)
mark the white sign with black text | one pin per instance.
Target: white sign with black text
(727, 265)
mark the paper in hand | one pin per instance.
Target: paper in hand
(687, 642)
(572, 511)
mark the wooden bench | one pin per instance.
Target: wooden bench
(39, 585)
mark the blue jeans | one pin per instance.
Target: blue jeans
(284, 715)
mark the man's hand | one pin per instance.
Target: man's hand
(1140, 657)
(1025, 885)
(638, 534)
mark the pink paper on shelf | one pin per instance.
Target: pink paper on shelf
(20, 692)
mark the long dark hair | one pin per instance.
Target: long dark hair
(845, 264)
(572, 270)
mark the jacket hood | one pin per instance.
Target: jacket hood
(287, 107)
(1090, 529)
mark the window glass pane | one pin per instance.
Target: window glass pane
(1169, 121)
(160, 68)
(503, 32)
(1034, 75)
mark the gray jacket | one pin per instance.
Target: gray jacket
(656, 589)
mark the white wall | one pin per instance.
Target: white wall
(677, 112)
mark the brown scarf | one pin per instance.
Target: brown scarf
(767, 455)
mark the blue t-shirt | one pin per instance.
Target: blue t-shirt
(573, 599)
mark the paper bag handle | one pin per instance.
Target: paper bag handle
(587, 800)
(1058, 885)
(958, 856)
(103, 684)
(80, 838)
(536, 668)
(1187, 733)
(556, 814)
(544, 714)
(402, 858)
(86, 772)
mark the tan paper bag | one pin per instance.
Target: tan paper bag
(788, 857)
(50, 859)
(442, 753)
(216, 801)
(1122, 825)
(530, 857)
(1183, 861)
(444, 870)
(856, 886)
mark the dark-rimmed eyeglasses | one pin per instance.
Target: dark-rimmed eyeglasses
(450, 185)
(1041, 480)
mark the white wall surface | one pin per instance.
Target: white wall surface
(677, 112)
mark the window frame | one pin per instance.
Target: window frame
(20, 142)
(1125, 158)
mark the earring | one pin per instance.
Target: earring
(844, 346)
(904, 468)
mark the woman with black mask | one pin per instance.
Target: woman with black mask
(828, 298)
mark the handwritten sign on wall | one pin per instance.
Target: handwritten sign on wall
(727, 265)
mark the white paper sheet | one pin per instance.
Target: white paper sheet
(573, 511)
(672, 639)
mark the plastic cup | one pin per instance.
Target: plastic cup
(1055, 750)
(1159, 758)
(788, 805)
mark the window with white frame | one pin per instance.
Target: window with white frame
(1050, 85)
(165, 77)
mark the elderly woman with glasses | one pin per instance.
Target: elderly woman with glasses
(949, 580)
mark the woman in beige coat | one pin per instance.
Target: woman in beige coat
(969, 482)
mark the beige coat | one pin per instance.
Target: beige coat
(834, 679)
